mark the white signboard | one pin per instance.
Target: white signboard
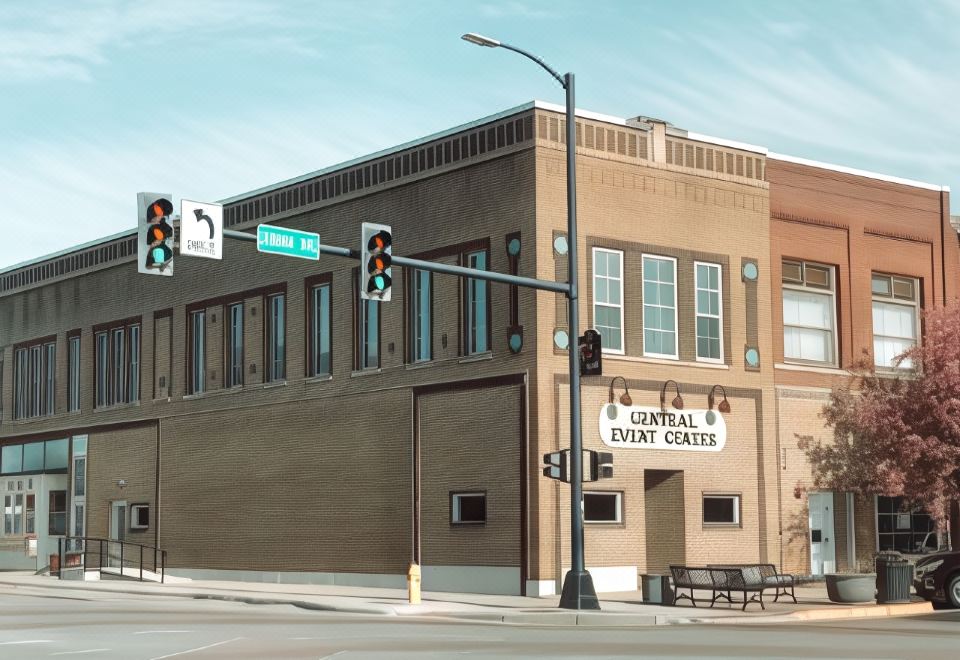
(201, 229)
(641, 427)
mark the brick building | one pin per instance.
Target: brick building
(254, 419)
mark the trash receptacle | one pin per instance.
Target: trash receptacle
(656, 589)
(894, 575)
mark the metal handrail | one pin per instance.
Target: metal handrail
(86, 541)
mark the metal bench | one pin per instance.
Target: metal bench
(720, 581)
(782, 583)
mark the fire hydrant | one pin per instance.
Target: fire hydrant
(413, 584)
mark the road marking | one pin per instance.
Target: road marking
(27, 641)
(327, 657)
(155, 632)
(79, 652)
(199, 648)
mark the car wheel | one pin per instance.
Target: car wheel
(953, 591)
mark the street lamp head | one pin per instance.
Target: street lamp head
(480, 40)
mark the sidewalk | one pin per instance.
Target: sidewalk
(618, 609)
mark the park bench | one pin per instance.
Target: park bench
(720, 581)
(780, 582)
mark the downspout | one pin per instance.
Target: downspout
(156, 497)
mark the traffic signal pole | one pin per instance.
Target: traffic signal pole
(433, 267)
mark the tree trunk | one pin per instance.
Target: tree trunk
(954, 524)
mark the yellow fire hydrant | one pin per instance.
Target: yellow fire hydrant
(413, 584)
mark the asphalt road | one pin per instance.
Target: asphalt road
(36, 624)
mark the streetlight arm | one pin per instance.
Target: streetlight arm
(539, 61)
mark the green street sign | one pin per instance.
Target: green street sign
(288, 242)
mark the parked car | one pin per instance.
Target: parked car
(937, 577)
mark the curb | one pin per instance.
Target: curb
(541, 618)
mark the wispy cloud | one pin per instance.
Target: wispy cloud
(70, 40)
(514, 10)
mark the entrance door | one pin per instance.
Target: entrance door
(118, 530)
(822, 544)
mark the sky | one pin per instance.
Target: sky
(207, 99)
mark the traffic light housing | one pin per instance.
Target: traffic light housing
(557, 465)
(376, 246)
(601, 465)
(155, 234)
(591, 355)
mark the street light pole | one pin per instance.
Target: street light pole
(578, 592)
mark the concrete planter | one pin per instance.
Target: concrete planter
(851, 588)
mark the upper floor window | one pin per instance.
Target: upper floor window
(319, 362)
(276, 338)
(660, 306)
(896, 306)
(73, 373)
(709, 317)
(198, 351)
(368, 354)
(809, 313)
(34, 380)
(608, 298)
(234, 370)
(419, 308)
(117, 365)
(476, 307)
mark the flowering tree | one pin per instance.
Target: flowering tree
(900, 435)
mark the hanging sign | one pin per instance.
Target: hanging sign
(642, 427)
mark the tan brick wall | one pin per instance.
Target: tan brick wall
(130, 455)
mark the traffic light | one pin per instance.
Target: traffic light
(375, 273)
(155, 237)
(601, 465)
(556, 465)
(591, 356)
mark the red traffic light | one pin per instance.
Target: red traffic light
(379, 241)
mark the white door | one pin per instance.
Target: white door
(822, 544)
(118, 530)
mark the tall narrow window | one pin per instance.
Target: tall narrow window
(809, 313)
(235, 346)
(118, 364)
(320, 330)
(276, 338)
(20, 380)
(103, 369)
(73, 379)
(57, 513)
(36, 380)
(133, 365)
(50, 370)
(896, 309)
(608, 298)
(477, 328)
(659, 307)
(709, 318)
(198, 351)
(420, 317)
(369, 354)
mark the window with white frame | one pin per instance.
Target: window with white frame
(896, 307)
(660, 306)
(602, 507)
(468, 508)
(608, 298)
(709, 301)
(78, 497)
(809, 313)
(721, 509)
